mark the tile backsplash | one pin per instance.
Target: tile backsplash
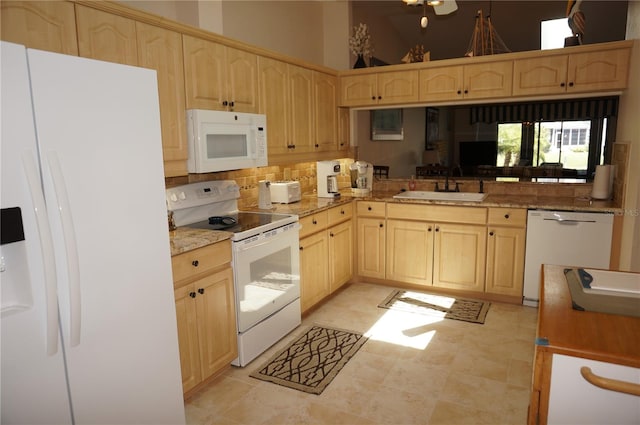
(248, 179)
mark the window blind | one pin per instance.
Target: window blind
(578, 109)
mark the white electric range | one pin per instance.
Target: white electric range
(266, 260)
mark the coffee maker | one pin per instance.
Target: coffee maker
(361, 178)
(327, 172)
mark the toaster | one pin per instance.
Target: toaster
(285, 192)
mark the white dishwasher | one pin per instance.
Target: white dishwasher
(578, 239)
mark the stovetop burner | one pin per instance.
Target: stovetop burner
(239, 222)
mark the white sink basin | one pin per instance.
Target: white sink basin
(441, 196)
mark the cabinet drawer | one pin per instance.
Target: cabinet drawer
(370, 209)
(340, 213)
(507, 217)
(201, 260)
(313, 223)
(438, 213)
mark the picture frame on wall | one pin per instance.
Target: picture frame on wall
(386, 124)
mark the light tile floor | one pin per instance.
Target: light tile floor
(415, 369)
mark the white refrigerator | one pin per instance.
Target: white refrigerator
(88, 319)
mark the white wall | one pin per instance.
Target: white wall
(629, 132)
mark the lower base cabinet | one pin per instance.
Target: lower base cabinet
(206, 317)
(326, 253)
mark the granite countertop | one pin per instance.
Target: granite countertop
(185, 239)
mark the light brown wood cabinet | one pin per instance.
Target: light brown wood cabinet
(161, 49)
(325, 112)
(219, 77)
(205, 308)
(105, 36)
(286, 97)
(326, 253)
(43, 25)
(571, 73)
(472, 81)
(382, 88)
(371, 239)
(344, 129)
(433, 253)
(506, 234)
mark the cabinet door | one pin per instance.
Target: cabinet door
(188, 337)
(359, 90)
(274, 103)
(161, 50)
(106, 37)
(242, 80)
(325, 112)
(43, 25)
(486, 80)
(215, 303)
(340, 254)
(505, 260)
(371, 247)
(544, 75)
(314, 271)
(444, 83)
(595, 71)
(344, 129)
(300, 116)
(410, 251)
(459, 256)
(204, 74)
(397, 87)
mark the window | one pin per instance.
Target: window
(551, 142)
(553, 32)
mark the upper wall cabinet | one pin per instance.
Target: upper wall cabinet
(383, 88)
(44, 25)
(161, 49)
(219, 77)
(325, 112)
(473, 81)
(106, 37)
(573, 73)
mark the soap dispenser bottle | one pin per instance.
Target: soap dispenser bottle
(412, 183)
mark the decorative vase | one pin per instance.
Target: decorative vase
(360, 63)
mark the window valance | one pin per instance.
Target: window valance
(578, 109)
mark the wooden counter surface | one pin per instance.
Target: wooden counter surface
(598, 336)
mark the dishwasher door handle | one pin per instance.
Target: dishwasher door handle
(568, 221)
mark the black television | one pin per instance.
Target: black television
(478, 153)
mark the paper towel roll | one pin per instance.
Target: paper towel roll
(602, 182)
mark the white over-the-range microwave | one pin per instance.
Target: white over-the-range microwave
(221, 141)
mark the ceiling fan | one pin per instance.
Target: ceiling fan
(440, 7)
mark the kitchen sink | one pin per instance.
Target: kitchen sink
(441, 196)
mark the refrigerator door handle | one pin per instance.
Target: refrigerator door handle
(71, 247)
(46, 247)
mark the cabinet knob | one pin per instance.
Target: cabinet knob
(379, 97)
(562, 84)
(466, 91)
(373, 98)
(331, 234)
(200, 291)
(506, 216)
(301, 248)
(342, 212)
(317, 145)
(437, 229)
(314, 221)
(369, 208)
(225, 103)
(491, 233)
(571, 84)
(192, 294)
(429, 229)
(232, 104)
(195, 263)
(459, 92)
(381, 225)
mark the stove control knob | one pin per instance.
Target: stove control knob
(182, 196)
(173, 197)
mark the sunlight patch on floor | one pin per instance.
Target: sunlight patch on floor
(405, 329)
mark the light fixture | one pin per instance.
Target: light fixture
(414, 2)
(441, 7)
